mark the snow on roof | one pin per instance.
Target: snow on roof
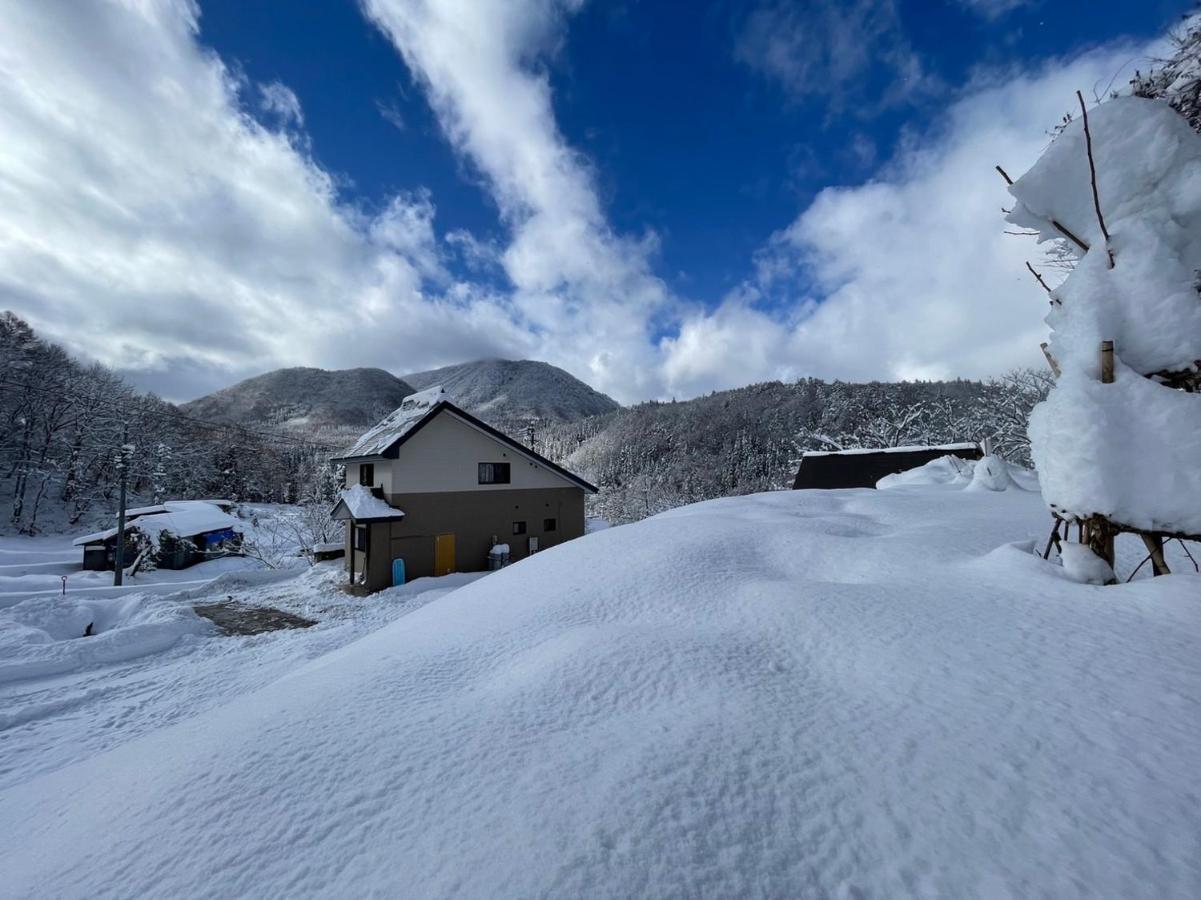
(964, 445)
(185, 518)
(186, 521)
(363, 505)
(397, 423)
(168, 505)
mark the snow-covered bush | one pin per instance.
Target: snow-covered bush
(1126, 450)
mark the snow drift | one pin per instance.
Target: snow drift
(839, 693)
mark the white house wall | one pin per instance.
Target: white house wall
(445, 456)
(383, 475)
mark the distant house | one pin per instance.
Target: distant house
(180, 532)
(864, 467)
(431, 490)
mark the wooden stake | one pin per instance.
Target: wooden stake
(1107, 362)
(1050, 359)
(1154, 545)
(1092, 171)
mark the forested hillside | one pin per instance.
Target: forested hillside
(509, 393)
(65, 424)
(306, 399)
(656, 456)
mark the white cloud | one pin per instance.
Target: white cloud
(280, 100)
(846, 54)
(914, 274)
(994, 9)
(586, 292)
(149, 221)
(146, 220)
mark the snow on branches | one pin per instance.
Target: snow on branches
(1117, 443)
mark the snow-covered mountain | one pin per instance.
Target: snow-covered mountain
(504, 390)
(305, 398)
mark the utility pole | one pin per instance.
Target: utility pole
(123, 473)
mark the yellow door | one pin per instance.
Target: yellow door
(444, 554)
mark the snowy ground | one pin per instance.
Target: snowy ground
(845, 693)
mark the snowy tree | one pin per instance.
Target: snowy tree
(1115, 440)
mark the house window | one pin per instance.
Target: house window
(367, 474)
(549, 524)
(519, 527)
(360, 537)
(494, 473)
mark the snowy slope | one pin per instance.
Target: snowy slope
(841, 693)
(305, 398)
(503, 390)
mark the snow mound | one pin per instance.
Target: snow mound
(792, 694)
(1081, 564)
(45, 635)
(991, 473)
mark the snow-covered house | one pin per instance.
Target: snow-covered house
(181, 532)
(864, 467)
(431, 489)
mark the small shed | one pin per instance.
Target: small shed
(863, 467)
(182, 533)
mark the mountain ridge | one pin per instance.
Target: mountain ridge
(303, 397)
(503, 392)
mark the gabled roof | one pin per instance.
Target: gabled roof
(385, 439)
(397, 424)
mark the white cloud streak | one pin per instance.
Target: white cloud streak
(588, 293)
(847, 55)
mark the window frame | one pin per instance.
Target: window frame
(550, 525)
(367, 474)
(520, 528)
(360, 531)
(494, 471)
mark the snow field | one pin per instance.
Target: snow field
(845, 693)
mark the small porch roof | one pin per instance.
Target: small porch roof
(358, 504)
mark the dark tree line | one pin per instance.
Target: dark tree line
(65, 424)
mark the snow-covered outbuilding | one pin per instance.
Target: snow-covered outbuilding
(863, 467)
(195, 530)
(431, 489)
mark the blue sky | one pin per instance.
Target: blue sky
(663, 198)
(685, 138)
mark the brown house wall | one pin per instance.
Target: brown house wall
(474, 518)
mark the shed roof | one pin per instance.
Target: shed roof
(183, 518)
(358, 503)
(863, 467)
